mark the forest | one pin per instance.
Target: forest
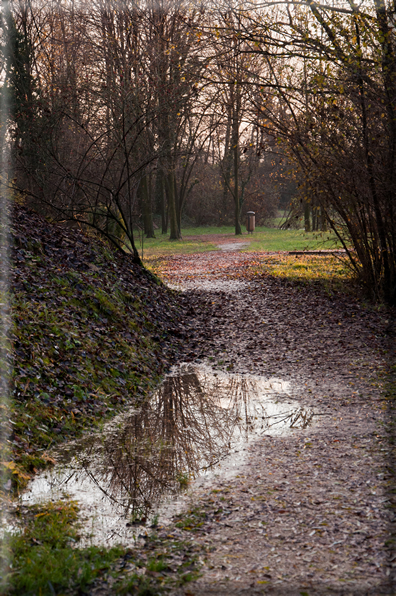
(129, 114)
(186, 409)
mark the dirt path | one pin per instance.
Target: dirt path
(225, 242)
(219, 239)
(308, 513)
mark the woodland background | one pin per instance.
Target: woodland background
(125, 114)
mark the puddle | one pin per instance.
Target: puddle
(197, 425)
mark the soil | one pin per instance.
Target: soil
(309, 513)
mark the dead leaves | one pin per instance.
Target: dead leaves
(309, 506)
(92, 332)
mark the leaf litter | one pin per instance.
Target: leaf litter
(92, 333)
(307, 513)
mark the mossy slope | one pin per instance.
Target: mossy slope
(92, 332)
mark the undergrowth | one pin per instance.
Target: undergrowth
(42, 556)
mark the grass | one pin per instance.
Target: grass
(274, 239)
(307, 267)
(331, 272)
(43, 557)
(161, 245)
(194, 240)
(44, 560)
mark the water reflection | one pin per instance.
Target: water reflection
(195, 420)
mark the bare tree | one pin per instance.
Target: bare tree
(333, 71)
(234, 69)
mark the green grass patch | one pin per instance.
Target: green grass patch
(333, 273)
(42, 556)
(196, 240)
(162, 246)
(274, 239)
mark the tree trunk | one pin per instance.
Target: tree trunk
(179, 206)
(127, 217)
(323, 219)
(314, 218)
(145, 201)
(173, 220)
(238, 229)
(307, 220)
(235, 148)
(227, 165)
(160, 200)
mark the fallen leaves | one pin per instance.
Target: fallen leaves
(312, 516)
(92, 333)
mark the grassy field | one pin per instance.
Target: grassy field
(273, 239)
(331, 272)
(202, 239)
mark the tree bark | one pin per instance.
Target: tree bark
(235, 98)
(307, 220)
(171, 195)
(323, 219)
(227, 165)
(145, 201)
(238, 229)
(160, 205)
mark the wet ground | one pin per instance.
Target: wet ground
(273, 432)
(309, 512)
(197, 427)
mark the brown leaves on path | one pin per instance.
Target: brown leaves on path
(310, 512)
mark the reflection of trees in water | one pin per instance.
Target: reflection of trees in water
(179, 432)
(189, 425)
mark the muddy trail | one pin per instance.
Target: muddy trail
(309, 512)
(263, 464)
